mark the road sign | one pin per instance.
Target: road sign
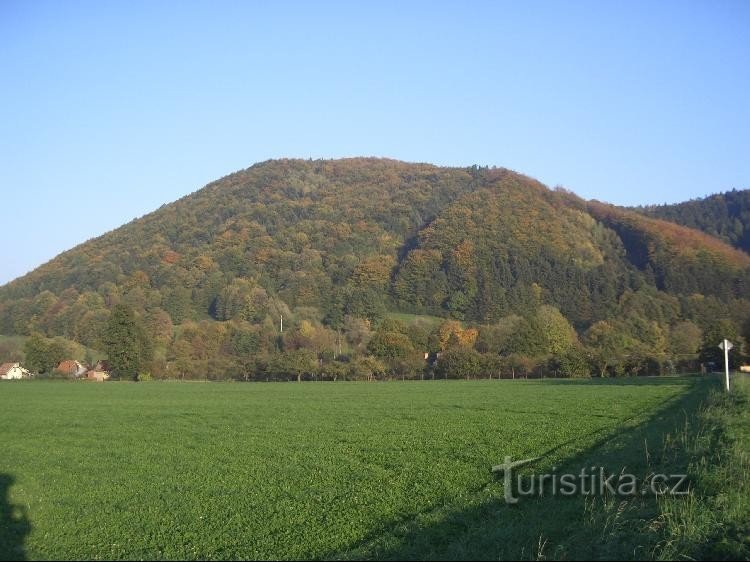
(729, 345)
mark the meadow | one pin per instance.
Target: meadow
(168, 470)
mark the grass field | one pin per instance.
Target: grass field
(332, 470)
(429, 322)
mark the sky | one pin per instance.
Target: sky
(110, 109)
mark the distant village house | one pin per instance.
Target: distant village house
(100, 372)
(10, 371)
(72, 368)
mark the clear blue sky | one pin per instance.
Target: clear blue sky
(109, 109)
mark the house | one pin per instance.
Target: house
(97, 375)
(102, 365)
(99, 372)
(72, 368)
(13, 371)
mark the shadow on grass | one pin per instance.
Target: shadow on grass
(626, 381)
(14, 523)
(549, 527)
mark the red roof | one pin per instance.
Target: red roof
(69, 366)
(5, 367)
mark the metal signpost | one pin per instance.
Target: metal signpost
(726, 345)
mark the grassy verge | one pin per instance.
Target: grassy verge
(713, 522)
(710, 444)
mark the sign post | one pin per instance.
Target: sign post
(726, 345)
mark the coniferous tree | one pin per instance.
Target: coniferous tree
(125, 343)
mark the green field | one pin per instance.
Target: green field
(429, 322)
(326, 470)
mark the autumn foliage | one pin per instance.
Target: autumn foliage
(333, 247)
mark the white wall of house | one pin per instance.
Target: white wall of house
(15, 373)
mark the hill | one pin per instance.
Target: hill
(723, 215)
(327, 244)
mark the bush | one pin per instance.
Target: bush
(458, 363)
(574, 363)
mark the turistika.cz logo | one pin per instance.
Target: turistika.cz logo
(590, 481)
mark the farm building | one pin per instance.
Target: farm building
(13, 371)
(101, 365)
(72, 368)
(97, 375)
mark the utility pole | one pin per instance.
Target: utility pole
(281, 323)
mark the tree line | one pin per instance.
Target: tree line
(648, 336)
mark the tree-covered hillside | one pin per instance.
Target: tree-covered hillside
(334, 247)
(724, 215)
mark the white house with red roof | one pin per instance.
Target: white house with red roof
(13, 371)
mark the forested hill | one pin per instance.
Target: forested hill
(335, 242)
(724, 215)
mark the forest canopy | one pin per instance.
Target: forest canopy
(341, 249)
